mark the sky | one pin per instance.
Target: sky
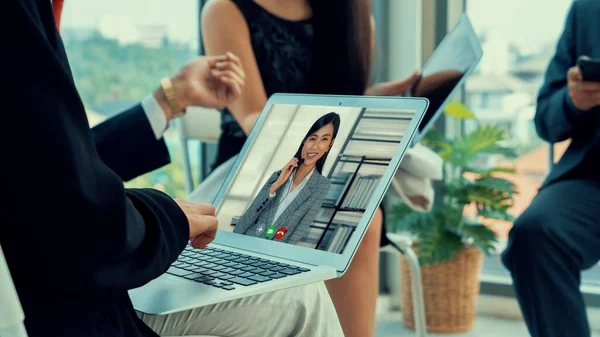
(179, 16)
(526, 22)
(521, 20)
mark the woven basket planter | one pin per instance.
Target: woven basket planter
(450, 291)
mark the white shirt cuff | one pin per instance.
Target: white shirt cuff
(156, 116)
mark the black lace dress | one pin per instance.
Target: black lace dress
(283, 53)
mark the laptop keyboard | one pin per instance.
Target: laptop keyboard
(227, 270)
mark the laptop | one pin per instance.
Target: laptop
(454, 59)
(275, 236)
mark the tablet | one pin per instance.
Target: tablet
(446, 70)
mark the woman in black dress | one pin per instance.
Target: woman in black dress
(303, 46)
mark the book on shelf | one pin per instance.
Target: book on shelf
(335, 237)
(336, 190)
(360, 193)
(340, 237)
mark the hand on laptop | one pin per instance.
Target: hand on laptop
(393, 88)
(202, 221)
(585, 95)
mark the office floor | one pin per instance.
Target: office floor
(390, 325)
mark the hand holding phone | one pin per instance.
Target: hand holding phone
(286, 171)
(590, 69)
(584, 91)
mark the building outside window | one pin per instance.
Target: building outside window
(119, 51)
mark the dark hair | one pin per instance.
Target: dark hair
(341, 47)
(332, 118)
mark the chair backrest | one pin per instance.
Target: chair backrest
(11, 312)
(200, 124)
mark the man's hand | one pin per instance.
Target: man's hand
(208, 81)
(585, 95)
(202, 221)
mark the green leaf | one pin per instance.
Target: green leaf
(496, 214)
(495, 185)
(482, 140)
(403, 218)
(486, 172)
(436, 246)
(480, 236)
(458, 110)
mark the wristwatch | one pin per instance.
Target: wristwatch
(169, 92)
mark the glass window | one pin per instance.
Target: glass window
(504, 89)
(119, 51)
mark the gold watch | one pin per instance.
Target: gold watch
(169, 92)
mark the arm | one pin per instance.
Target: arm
(127, 143)
(131, 143)
(85, 233)
(307, 219)
(224, 29)
(556, 118)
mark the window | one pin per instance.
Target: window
(119, 51)
(517, 49)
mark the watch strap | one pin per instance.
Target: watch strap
(169, 92)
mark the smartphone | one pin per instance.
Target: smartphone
(590, 68)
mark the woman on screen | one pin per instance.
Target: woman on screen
(288, 203)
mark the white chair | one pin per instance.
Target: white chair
(11, 312)
(404, 243)
(200, 124)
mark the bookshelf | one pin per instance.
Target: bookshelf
(356, 173)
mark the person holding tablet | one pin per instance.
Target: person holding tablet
(304, 46)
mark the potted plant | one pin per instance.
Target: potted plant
(451, 239)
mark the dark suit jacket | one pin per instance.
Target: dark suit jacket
(74, 238)
(126, 143)
(556, 119)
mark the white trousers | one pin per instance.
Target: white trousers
(304, 311)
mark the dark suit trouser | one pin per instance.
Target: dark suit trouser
(556, 238)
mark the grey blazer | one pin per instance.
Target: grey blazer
(296, 219)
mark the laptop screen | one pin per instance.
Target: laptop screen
(310, 172)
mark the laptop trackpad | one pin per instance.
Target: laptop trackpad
(168, 293)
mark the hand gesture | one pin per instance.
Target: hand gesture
(210, 81)
(286, 171)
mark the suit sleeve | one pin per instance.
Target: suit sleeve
(126, 144)
(70, 225)
(307, 219)
(259, 204)
(556, 118)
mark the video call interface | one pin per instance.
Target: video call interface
(310, 173)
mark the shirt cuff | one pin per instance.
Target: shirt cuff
(155, 115)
